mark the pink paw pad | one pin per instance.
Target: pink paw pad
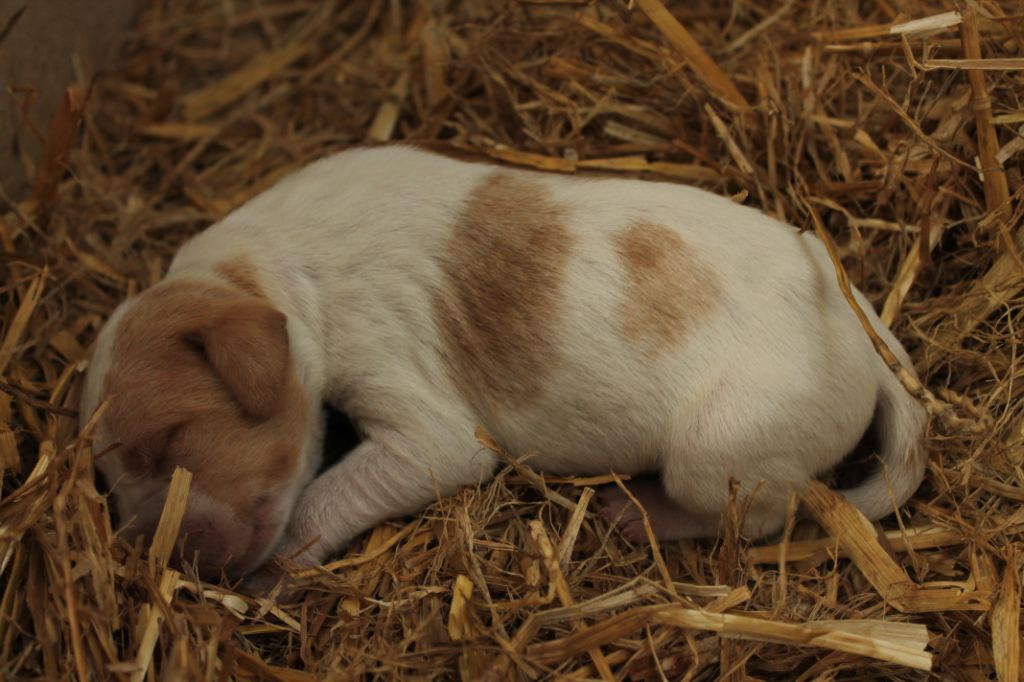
(668, 520)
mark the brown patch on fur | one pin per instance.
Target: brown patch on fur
(668, 287)
(242, 274)
(503, 277)
(201, 377)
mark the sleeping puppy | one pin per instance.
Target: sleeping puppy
(605, 324)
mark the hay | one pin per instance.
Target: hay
(894, 126)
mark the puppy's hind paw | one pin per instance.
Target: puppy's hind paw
(618, 510)
(667, 519)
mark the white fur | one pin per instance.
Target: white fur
(774, 385)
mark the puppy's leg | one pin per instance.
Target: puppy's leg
(680, 507)
(383, 477)
(772, 441)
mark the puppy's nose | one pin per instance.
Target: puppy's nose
(206, 544)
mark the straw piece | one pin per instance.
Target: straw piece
(539, 161)
(626, 595)
(857, 33)
(182, 132)
(996, 190)
(913, 637)
(458, 624)
(1009, 119)
(643, 48)
(52, 164)
(232, 602)
(993, 290)
(1006, 624)
(1006, 64)
(1011, 148)
(735, 597)
(761, 26)
(734, 150)
(332, 60)
(540, 538)
(909, 269)
(864, 223)
(860, 542)
(909, 120)
(435, 62)
(214, 97)
(681, 171)
(378, 551)
(97, 265)
(383, 126)
(262, 671)
(65, 343)
(905, 649)
(652, 539)
(572, 528)
(859, 539)
(911, 539)
(1010, 492)
(620, 131)
(704, 67)
(152, 616)
(19, 323)
(9, 458)
(170, 518)
(834, 637)
(531, 476)
(935, 22)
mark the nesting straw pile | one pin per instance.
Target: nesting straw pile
(895, 126)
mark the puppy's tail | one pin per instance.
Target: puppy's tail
(899, 425)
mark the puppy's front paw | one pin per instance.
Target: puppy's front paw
(264, 580)
(275, 581)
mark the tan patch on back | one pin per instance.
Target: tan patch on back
(241, 273)
(668, 288)
(501, 300)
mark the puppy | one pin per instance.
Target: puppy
(605, 324)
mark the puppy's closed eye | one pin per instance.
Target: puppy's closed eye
(154, 451)
(194, 342)
(262, 502)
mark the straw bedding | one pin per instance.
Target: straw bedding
(894, 126)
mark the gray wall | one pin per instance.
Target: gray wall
(36, 49)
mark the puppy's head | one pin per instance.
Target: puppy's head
(199, 375)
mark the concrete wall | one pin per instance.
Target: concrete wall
(37, 41)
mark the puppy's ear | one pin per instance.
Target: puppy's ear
(247, 347)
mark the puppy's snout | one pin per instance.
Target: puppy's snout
(205, 542)
(212, 537)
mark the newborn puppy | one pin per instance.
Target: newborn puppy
(605, 324)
